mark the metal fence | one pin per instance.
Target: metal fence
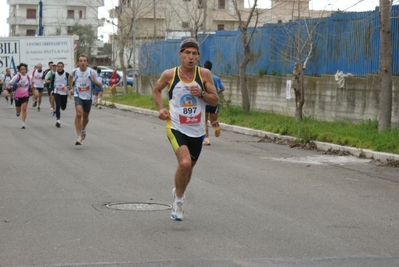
(347, 42)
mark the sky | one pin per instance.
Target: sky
(344, 5)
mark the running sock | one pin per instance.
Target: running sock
(178, 199)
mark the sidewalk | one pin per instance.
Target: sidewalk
(322, 146)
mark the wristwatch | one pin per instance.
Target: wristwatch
(202, 94)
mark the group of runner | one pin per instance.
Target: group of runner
(82, 83)
(193, 96)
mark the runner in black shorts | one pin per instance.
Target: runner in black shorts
(83, 79)
(37, 86)
(178, 139)
(7, 88)
(189, 87)
(212, 111)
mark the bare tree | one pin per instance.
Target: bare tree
(385, 117)
(191, 14)
(246, 37)
(125, 17)
(298, 51)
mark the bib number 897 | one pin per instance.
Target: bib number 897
(189, 110)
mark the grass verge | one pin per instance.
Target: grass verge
(363, 135)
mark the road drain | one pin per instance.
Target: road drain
(138, 206)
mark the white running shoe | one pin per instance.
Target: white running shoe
(78, 142)
(177, 211)
(177, 208)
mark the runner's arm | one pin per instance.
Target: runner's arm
(162, 82)
(210, 95)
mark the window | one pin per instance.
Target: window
(220, 27)
(201, 4)
(69, 30)
(184, 24)
(31, 13)
(71, 14)
(30, 32)
(222, 4)
(80, 14)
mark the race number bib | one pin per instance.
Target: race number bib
(60, 87)
(83, 87)
(24, 83)
(188, 111)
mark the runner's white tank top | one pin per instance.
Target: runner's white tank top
(187, 111)
(38, 79)
(60, 83)
(83, 83)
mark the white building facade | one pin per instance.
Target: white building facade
(57, 16)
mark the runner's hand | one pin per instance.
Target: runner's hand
(163, 114)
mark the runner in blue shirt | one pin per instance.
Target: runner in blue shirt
(212, 111)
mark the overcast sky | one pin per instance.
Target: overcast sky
(347, 5)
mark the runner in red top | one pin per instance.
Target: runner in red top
(114, 80)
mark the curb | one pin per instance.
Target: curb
(357, 152)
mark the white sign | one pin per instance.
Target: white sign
(288, 90)
(33, 50)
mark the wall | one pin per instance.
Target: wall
(358, 101)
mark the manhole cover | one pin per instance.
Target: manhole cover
(138, 206)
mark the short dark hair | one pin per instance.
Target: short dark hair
(22, 65)
(50, 62)
(83, 55)
(208, 65)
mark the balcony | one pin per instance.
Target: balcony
(23, 2)
(71, 22)
(94, 3)
(20, 20)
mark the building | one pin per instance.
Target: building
(58, 17)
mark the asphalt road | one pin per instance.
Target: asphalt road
(249, 203)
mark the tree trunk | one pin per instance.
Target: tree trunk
(125, 88)
(299, 89)
(384, 121)
(123, 67)
(243, 82)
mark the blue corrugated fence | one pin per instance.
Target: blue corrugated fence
(347, 42)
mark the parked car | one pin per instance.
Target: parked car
(107, 72)
(99, 67)
(129, 81)
(131, 72)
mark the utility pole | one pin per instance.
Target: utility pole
(40, 28)
(385, 71)
(134, 44)
(155, 21)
